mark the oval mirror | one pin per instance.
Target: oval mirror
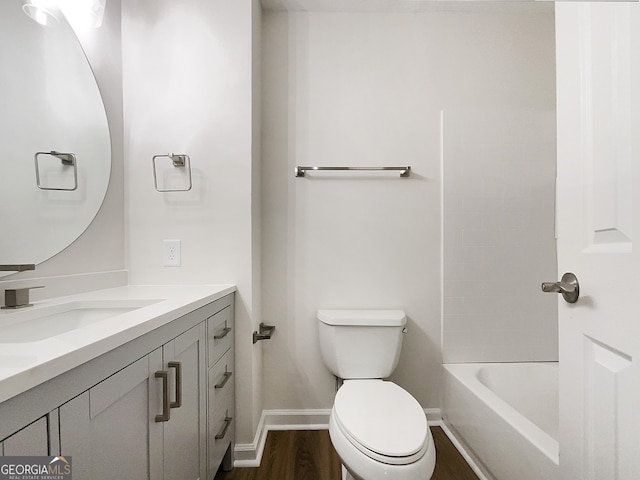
(55, 151)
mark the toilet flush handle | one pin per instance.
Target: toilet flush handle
(404, 330)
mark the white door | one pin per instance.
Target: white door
(598, 195)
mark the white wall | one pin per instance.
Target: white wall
(369, 89)
(188, 89)
(96, 258)
(256, 206)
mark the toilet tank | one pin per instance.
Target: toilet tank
(361, 343)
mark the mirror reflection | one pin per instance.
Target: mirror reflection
(54, 138)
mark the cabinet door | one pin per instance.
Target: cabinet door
(185, 432)
(31, 440)
(110, 430)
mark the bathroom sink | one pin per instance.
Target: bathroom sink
(12, 362)
(32, 325)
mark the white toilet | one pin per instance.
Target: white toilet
(378, 429)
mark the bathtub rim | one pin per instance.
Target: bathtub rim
(465, 373)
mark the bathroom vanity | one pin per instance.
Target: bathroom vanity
(132, 382)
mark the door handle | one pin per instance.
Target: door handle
(178, 367)
(164, 417)
(568, 286)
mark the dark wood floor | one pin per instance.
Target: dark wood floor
(449, 463)
(309, 455)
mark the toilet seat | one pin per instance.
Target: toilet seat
(382, 420)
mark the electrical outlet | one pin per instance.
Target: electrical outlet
(172, 253)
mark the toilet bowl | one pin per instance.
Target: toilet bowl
(380, 432)
(378, 429)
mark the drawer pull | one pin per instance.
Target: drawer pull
(178, 367)
(166, 413)
(223, 432)
(227, 376)
(224, 333)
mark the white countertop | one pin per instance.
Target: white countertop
(27, 364)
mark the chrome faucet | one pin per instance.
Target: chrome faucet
(17, 297)
(17, 268)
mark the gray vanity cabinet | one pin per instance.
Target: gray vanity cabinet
(221, 390)
(31, 440)
(110, 414)
(107, 429)
(114, 430)
(184, 435)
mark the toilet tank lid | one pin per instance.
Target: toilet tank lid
(378, 318)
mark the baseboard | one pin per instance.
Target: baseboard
(250, 454)
(434, 416)
(468, 458)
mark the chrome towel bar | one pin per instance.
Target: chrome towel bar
(404, 171)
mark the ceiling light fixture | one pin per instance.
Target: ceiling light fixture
(83, 13)
(45, 12)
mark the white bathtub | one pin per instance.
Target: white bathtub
(506, 416)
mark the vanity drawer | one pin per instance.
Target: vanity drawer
(221, 382)
(219, 334)
(222, 431)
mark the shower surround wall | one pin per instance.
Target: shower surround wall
(374, 89)
(499, 236)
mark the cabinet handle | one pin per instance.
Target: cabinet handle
(227, 376)
(178, 367)
(224, 333)
(223, 432)
(166, 413)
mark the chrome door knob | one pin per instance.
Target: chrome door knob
(568, 286)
